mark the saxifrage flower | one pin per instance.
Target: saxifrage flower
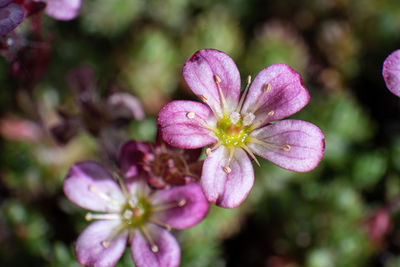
(130, 213)
(391, 72)
(240, 125)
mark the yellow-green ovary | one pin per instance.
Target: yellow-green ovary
(231, 135)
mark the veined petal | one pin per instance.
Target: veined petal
(179, 130)
(168, 254)
(227, 190)
(62, 9)
(90, 250)
(90, 186)
(131, 156)
(10, 17)
(286, 96)
(199, 73)
(195, 206)
(391, 72)
(293, 144)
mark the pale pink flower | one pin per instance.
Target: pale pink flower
(132, 214)
(239, 125)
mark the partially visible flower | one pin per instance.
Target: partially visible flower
(13, 12)
(133, 214)
(238, 126)
(62, 9)
(160, 164)
(391, 72)
(11, 15)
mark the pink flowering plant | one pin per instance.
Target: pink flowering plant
(132, 213)
(238, 126)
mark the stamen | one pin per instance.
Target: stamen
(257, 141)
(234, 117)
(248, 119)
(159, 223)
(231, 153)
(217, 80)
(267, 88)
(192, 116)
(271, 113)
(167, 206)
(123, 187)
(146, 234)
(242, 98)
(102, 216)
(104, 196)
(215, 146)
(250, 153)
(117, 231)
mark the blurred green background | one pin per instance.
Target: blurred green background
(335, 215)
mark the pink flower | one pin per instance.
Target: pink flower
(240, 126)
(391, 72)
(130, 214)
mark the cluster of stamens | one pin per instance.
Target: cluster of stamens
(233, 129)
(134, 213)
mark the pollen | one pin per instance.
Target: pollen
(234, 117)
(271, 113)
(286, 147)
(190, 115)
(248, 119)
(154, 248)
(105, 244)
(202, 97)
(227, 169)
(182, 203)
(268, 88)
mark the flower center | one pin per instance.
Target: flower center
(231, 132)
(135, 214)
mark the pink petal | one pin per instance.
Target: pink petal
(168, 254)
(287, 95)
(90, 186)
(306, 143)
(89, 249)
(194, 210)
(10, 17)
(180, 131)
(391, 72)
(3, 3)
(62, 9)
(121, 100)
(199, 72)
(227, 190)
(131, 156)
